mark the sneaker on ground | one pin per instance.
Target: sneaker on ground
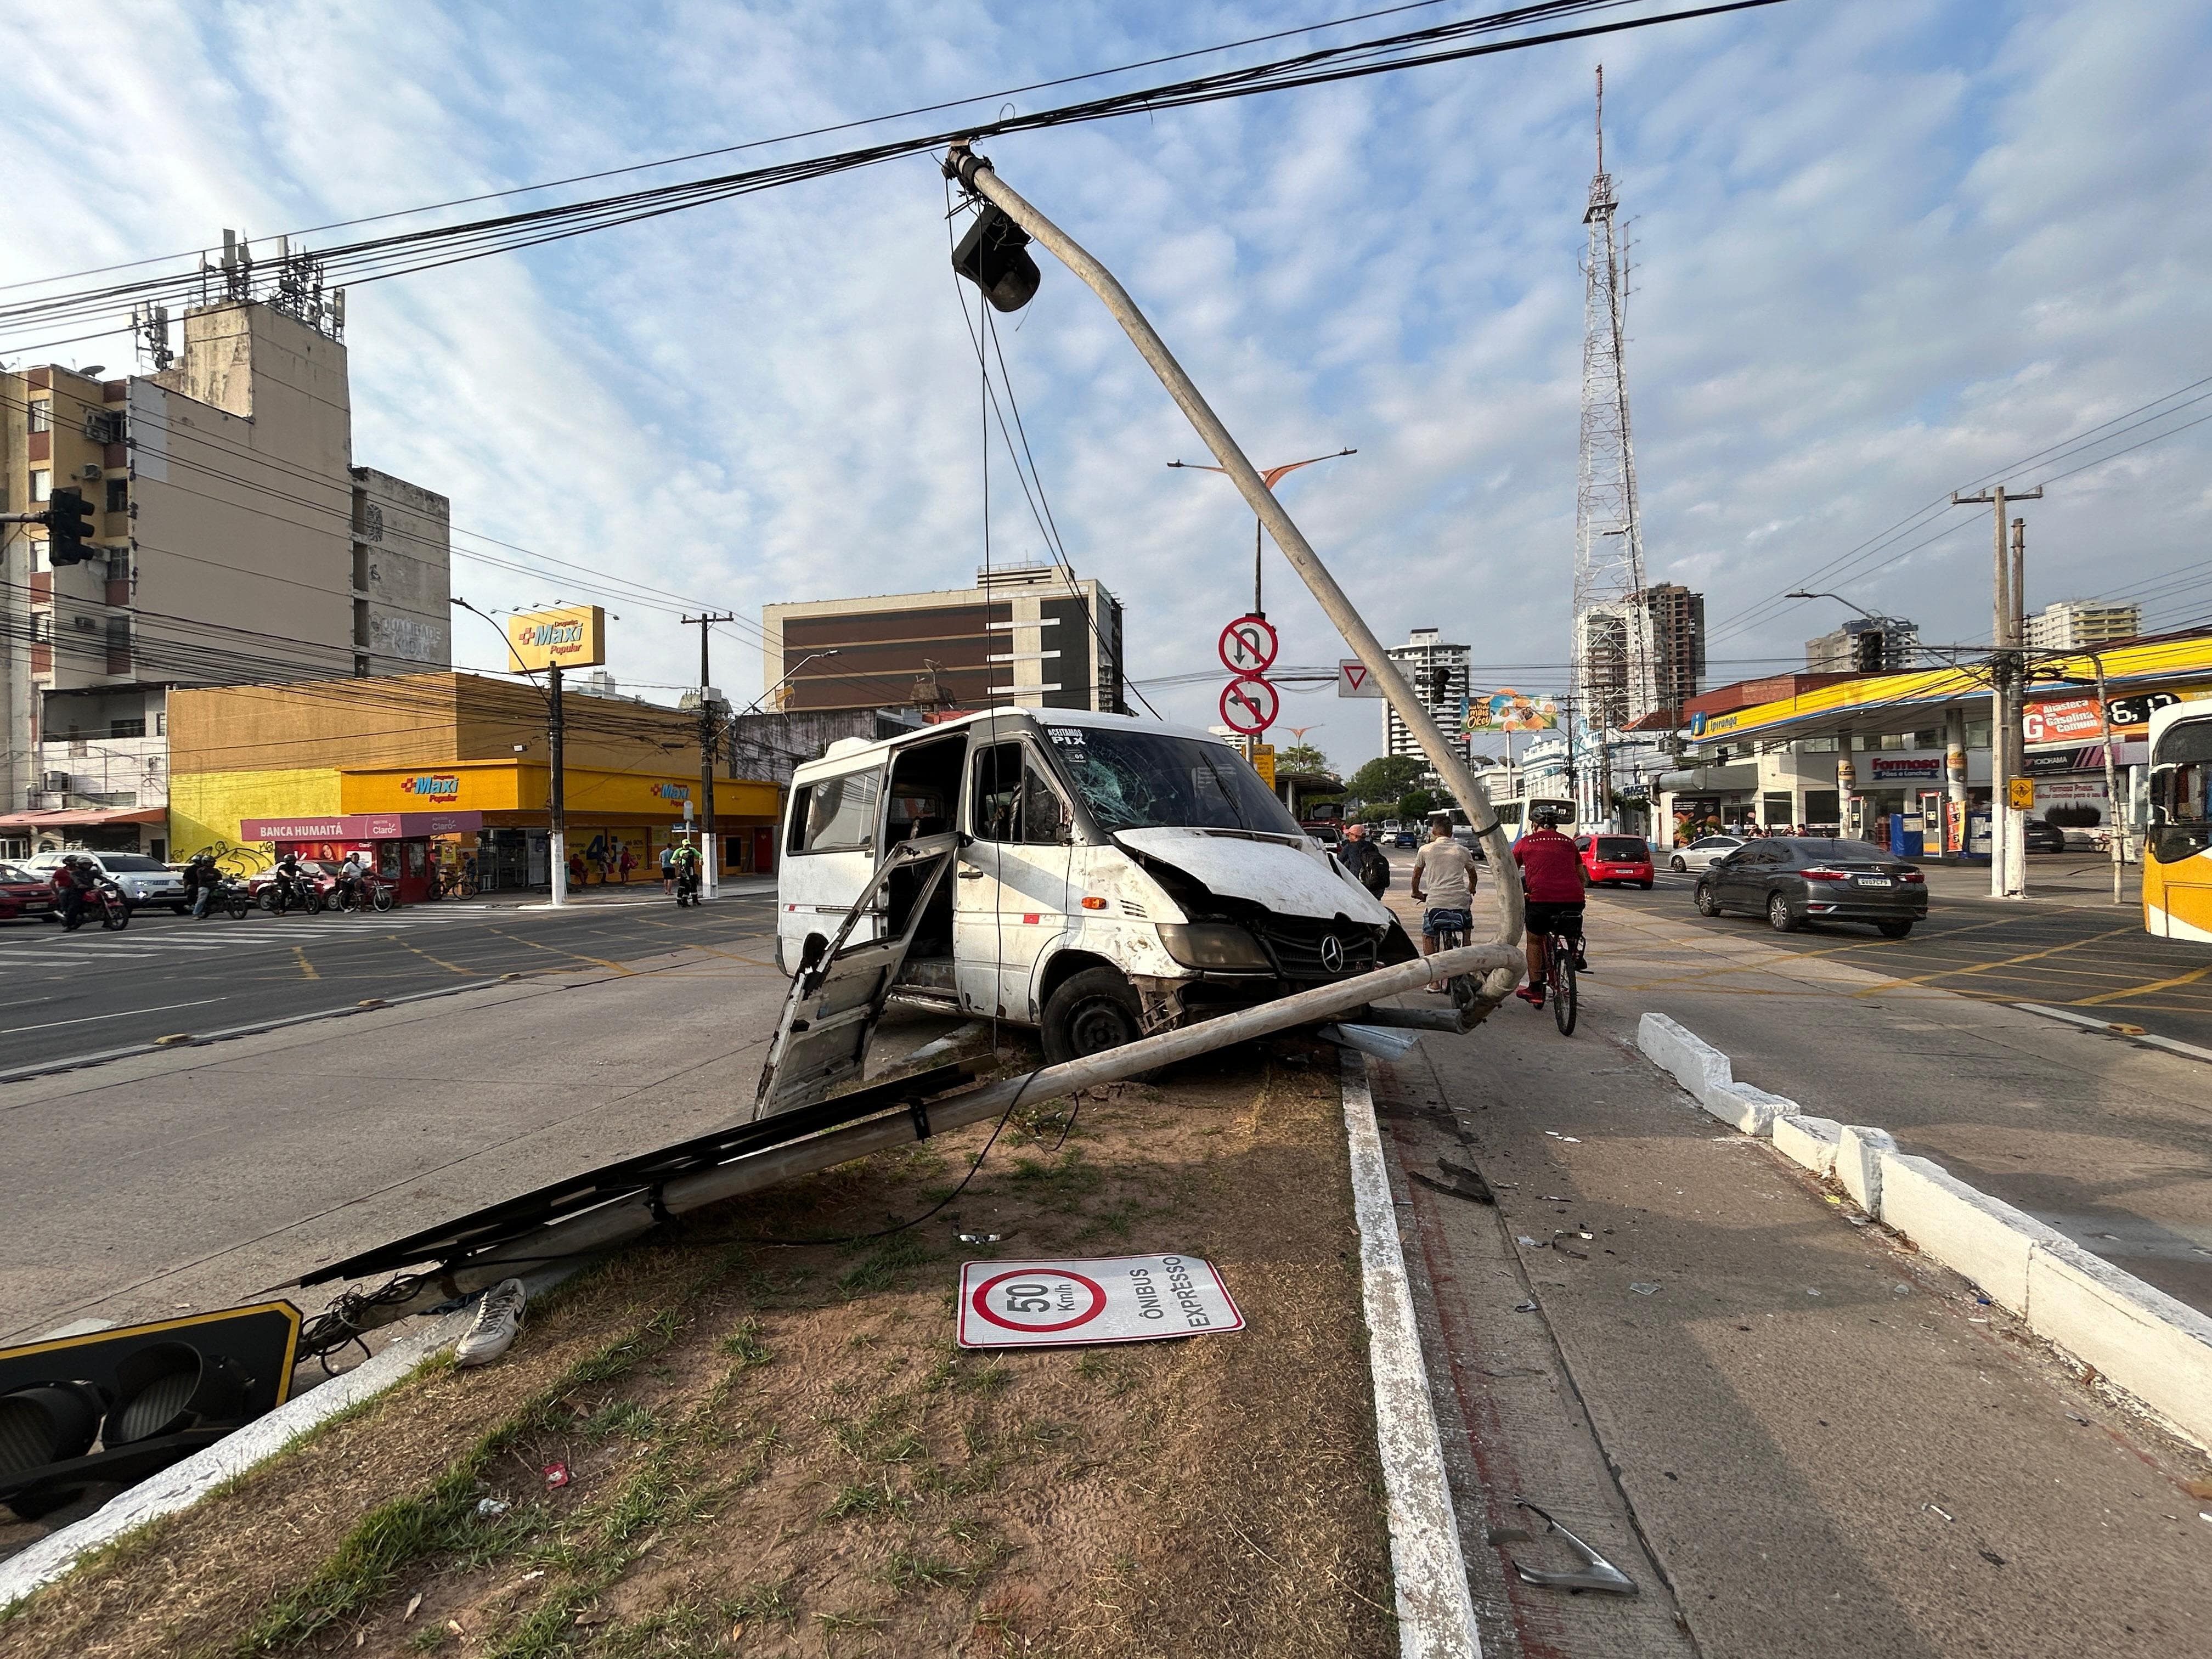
(499, 1317)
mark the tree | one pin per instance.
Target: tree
(1416, 804)
(1386, 778)
(1301, 757)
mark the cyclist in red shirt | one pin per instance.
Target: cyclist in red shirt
(1551, 880)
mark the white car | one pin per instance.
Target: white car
(1701, 854)
(143, 880)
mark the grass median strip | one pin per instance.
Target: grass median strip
(763, 1450)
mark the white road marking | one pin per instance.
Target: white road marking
(123, 1014)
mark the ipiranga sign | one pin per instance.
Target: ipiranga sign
(1122, 1299)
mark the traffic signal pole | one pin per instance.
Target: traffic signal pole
(710, 880)
(974, 172)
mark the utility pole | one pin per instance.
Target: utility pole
(2008, 823)
(710, 854)
(556, 792)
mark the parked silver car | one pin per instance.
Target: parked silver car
(143, 880)
(1703, 853)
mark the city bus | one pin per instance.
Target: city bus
(2177, 883)
(1514, 812)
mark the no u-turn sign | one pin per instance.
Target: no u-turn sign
(1124, 1298)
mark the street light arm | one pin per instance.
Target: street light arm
(1839, 599)
(810, 656)
(530, 674)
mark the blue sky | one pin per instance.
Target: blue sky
(1883, 247)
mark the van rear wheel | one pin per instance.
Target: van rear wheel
(1093, 1010)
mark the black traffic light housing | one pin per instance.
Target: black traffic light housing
(68, 529)
(147, 1395)
(994, 256)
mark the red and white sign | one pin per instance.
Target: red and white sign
(1248, 645)
(2063, 719)
(1355, 679)
(1249, 704)
(1122, 1299)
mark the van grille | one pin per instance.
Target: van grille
(1298, 947)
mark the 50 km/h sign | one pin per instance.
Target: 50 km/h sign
(1127, 1298)
(1249, 704)
(1248, 645)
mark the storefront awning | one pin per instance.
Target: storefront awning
(360, 826)
(68, 817)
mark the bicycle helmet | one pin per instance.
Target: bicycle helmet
(1545, 818)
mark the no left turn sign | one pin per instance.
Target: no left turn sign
(1127, 1298)
(1249, 704)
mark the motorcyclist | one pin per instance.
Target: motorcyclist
(202, 880)
(352, 877)
(291, 880)
(68, 893)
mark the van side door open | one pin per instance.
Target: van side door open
(1012, 899)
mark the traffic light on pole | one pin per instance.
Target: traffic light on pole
(68, 529)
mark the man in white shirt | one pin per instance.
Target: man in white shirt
(1444, 885)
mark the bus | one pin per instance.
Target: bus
(1514, 812)
(2177, 883)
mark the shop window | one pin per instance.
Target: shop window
(1927, 739)
(1817, 746)
(1977, 734)
(1774, 812)
(1893, 740)
(387, 859)
(1822, 806)
(416, 859)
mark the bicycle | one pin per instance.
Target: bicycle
(1450, 934)
(369, 893)
(1560, 951)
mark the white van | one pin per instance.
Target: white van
(1116, 878)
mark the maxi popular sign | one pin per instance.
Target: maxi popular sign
(574, 636)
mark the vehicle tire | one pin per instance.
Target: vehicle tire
(1777, 914)
(1559, 980)
(180, 909)
(1677, 863)
(1645, 886)
(1894, 929)
(115, 918)
(383, 901)
(311, 902)
(1707, 904)
(1091, 1011)
(241, 907)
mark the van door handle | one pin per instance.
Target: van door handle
(971, 875)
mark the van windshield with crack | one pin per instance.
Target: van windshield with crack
(1145, 780)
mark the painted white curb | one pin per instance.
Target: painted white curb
(2158, 1349)
(182, 1485)
(1435, 1614)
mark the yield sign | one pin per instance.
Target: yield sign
(1250, 705)
(1248, 645)
(1355, 679)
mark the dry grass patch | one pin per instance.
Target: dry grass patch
(780, 1452)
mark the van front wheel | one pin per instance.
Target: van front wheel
(1093, 1010)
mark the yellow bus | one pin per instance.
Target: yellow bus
(2177, 888)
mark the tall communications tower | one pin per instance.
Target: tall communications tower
(1616, 677)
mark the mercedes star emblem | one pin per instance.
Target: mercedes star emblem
(1332, 954)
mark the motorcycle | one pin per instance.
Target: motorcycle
(104, 900)
(278, 894)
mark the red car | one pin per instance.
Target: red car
(24, 895)
(1615, 858)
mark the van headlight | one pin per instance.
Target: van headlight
(1212, 945)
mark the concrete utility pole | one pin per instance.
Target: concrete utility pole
(710, 854)
(556, 792)
(974, 172)
(2008, 823)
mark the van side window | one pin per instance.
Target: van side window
(1014, 802)
(837, 815)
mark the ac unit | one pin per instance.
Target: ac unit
(57, 783)
(90, 471)
(84, 624)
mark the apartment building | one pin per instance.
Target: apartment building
(1026, 637)
(1865, 645)
(1677, 642)
(1439, 673)
(236, 542)
(2081, 624)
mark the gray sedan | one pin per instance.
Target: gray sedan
(1791, 880)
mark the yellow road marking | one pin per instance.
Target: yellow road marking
(1996, 962)
(449, 967)
(573, 956)
(2144, 990)
(306, 968)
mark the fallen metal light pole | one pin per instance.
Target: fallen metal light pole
(627, 1218)
(976, 174)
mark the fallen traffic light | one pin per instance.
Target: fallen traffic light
(994, 256)
(145, 1396)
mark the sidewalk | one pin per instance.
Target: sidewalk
(642, 892)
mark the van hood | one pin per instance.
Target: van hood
(1268, 872)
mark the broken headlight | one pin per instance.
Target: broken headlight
(1212, 945)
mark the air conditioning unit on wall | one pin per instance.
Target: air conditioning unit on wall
(57, 783)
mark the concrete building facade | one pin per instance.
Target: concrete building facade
(1678, 642)
(237, 542)
(1865, 645)
(2076, 625)
(1440, 675)
(1027, 636)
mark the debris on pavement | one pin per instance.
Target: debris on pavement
(556, 1476)
(1645, 1290)
(1130, 1298)
(490, 1508)
(1597, 1573)
(498, 1321)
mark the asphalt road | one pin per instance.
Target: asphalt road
(72, 994)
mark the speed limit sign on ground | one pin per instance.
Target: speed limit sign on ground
(1124, 1298)
(1248, 645)
(1249, 704)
